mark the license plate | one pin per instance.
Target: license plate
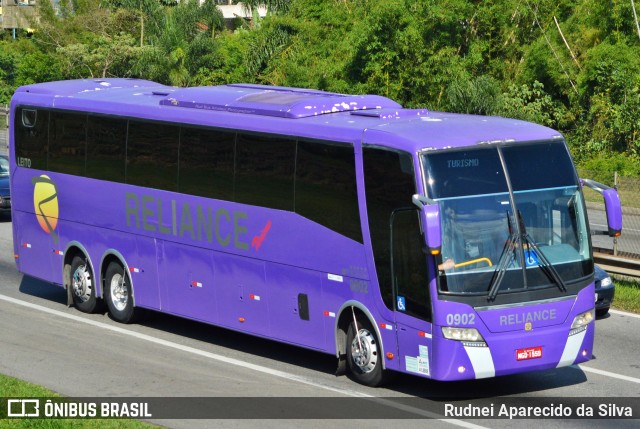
(529, 353)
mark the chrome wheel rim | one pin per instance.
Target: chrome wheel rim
(364, 351)
(82, 283)
(119, 292)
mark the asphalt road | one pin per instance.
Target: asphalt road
(79, 355)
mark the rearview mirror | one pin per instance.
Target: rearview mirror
(612, 205)
(431, 221)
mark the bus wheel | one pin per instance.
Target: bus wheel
(83, 286)
(364, 354)
(118, 294)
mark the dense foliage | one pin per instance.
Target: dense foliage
(573, 65)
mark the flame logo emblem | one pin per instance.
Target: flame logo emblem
(45, 203)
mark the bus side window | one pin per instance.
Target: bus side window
(31, 133)
(389, 184)
(152, 155)
(206, 162)
(265, 167)
(67, 143)
(106, 143)
(326, 189)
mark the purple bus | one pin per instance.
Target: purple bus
(442, 245)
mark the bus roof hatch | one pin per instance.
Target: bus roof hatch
(273, 101)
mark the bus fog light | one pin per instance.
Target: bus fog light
(462, 334)
(461, 369)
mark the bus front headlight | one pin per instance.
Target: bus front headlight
(467, 335)
(581, 321)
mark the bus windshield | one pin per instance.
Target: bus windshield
(513, 218)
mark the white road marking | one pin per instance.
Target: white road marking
(624, 313)
(236, 362)
(610, 374)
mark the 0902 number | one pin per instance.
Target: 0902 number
(461, 319)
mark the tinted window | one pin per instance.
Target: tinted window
(464, 172)
(409, 265)
(264, 171)
(526, 162)
(389, 185)
(152, 155)
(67, 143)
(326, 190)
(31, 128)
(206, 163)
(106, 143)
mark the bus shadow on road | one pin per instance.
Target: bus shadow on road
(507, 385)
(167, 326)
(42, 289)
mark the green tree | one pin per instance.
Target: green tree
(180, 44)
(7, 75)
(530, 103)
(105, 56)
(145, 9)
(609, 94)
(479, 96)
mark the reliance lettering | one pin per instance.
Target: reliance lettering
(197, 222)
(531, 316)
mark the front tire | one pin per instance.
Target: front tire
(364, 354)
(83, 287)
(118, 294)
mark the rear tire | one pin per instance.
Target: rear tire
(82, 284)
(364, 355)
(118, 294)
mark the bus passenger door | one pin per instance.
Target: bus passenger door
(411, 292)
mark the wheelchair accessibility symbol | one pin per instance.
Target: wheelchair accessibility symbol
(531, 259)
(402, 304)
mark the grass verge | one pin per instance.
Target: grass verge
(627, 296)
(13, 388)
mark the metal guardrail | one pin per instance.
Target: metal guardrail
(620, 255)
(617, 265)
(4, 140)
(627, 245)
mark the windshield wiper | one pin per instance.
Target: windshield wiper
(526, 242)
(503, 263)
(544, 263)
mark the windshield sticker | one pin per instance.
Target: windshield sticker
(531, 258)
(402, 303)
